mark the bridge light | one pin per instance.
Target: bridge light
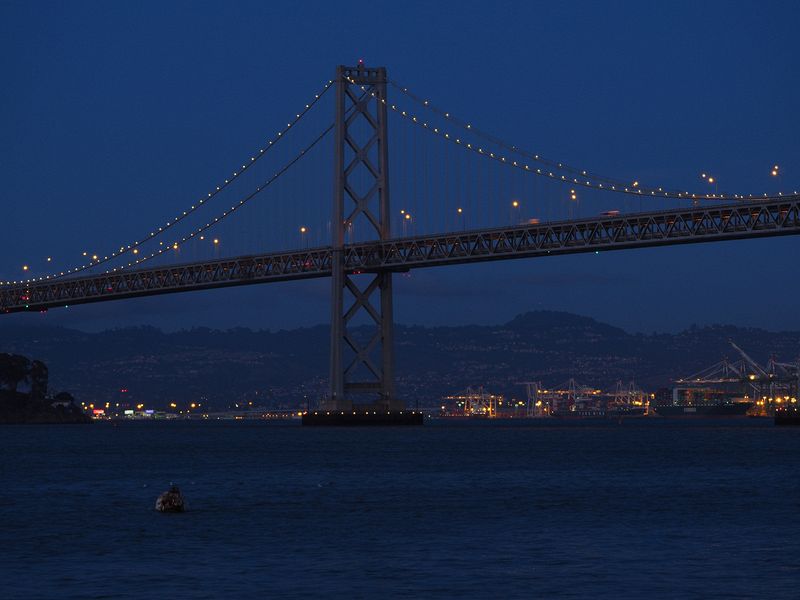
(303, 230)
(459, 210)
(136, 251)
(24, 267)
(408, 216)
(635, 184)
(515, 204)
(94, 256)
(49, 259)
(216, 241)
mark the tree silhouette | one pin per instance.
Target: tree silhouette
(14, 369)
(38, 380)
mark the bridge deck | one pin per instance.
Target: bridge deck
(749, 219)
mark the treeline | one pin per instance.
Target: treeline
(35, 406)
(16, 370)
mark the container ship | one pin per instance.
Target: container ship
(700, 402)
(600, 412)
(734, 388)
(573, 401)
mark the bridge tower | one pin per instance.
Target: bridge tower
(362, 366)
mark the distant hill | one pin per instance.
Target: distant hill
(288, 368)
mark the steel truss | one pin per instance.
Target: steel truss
(753, 219)
(636, 230)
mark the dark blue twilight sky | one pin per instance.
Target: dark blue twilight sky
(104, 102)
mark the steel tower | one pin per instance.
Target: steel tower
(362, 366)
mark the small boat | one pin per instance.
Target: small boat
(171, 501)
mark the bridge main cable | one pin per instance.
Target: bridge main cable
(555, 170)
(133, 248)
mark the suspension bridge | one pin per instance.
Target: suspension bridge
(459, 195)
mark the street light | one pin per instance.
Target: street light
(303, 231)
(573, 195)
(514, 214)
(710, 179)
(460, 212)
(776, 172)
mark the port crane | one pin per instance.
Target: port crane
(775, 383)
(475, 402)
